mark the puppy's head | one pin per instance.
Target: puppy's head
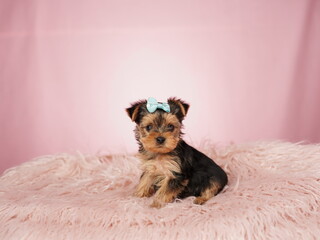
(158, 131)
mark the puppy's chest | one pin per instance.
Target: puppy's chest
(162, 166)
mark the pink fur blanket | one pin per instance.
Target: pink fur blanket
(273, 193)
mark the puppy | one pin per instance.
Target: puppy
(171, 168)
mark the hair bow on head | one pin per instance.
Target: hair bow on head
(153, 105)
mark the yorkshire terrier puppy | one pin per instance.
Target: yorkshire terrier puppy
(171, 168)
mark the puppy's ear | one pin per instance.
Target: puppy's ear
(178, 107)
(134, 111)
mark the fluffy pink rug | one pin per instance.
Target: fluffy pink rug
(273, 193)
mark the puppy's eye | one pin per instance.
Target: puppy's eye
(170, 127)
(148, 128)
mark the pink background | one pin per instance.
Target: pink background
(250, 69)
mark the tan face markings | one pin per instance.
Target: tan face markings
(158, 125)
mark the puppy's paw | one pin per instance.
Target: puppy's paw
(157, 204)
(144, 192)
(141, 194)
(200, 200)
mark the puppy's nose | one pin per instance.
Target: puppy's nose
(160, 140)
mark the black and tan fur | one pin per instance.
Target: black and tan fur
(172, 168)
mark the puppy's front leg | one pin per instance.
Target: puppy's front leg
(145, 187)
(170, 188)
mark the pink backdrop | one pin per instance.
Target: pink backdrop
(250, 69)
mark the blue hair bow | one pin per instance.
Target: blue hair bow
(153, 105)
